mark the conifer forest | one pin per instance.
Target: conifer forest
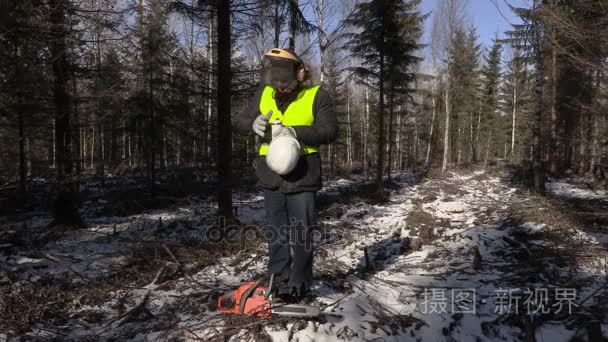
(463, 194)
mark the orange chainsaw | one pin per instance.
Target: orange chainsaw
(253, 299)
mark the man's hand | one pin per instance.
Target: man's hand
(260, 123)
(280, 130)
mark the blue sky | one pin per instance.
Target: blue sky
(483, 14)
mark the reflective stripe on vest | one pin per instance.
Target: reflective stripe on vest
(299, 113)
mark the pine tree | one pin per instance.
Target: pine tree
(335, 86)
(490, 120)
(156, 45)
(463, 60)
(24, 86)
(111, 89)
(380, 45)
(401, 62)
(471, 84)
(529, 38)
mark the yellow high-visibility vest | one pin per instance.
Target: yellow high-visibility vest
(298, 113)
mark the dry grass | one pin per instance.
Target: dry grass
(21, 308)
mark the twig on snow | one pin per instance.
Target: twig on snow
(126, 316)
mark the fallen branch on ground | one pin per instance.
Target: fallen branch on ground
(180, 266)
(126, 316)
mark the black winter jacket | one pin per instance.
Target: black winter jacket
(306, 176)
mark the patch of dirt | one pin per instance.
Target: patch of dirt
(422, 224)
(481, 177)
(543, 209)
(452, 189)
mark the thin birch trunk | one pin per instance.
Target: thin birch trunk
(398, 140)
(53, 143)
(434, 113)
(210, 85)
(513, 123)
(349, 147)
(365, 130)
(446, 134)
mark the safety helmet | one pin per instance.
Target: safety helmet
(283, 154)
(282, 65)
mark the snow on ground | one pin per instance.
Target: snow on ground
(576, 188)
(447, 262)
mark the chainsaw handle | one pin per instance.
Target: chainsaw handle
(269, 289)
(247, 294)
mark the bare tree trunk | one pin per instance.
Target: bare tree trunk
(191, 103)
(398, 140)
(83, 147)
(539, 177)
(446, 134)
(487, 156)
(194, 152)
(130, 147)
(514, 115)
(22, 158)
(595, 125)
(381, 139)
(603, 150)
(472, 151)
(390, 132)
(459, 149)
(19, 108)
(224, 127)
(163, 157)
(54, 144)
(99, 165)
(553, 151)
(139, 152)
(585, 130)
(293, 24)
(365, 124)
(430, 142)
(77, 148)
(66, 208)
(581, 146)
(124, 141)
(152, 136)
(113, 144)
(99, 159)
(178, 151)
(330, 154)
(277, 23)
(478, 149)
(349, 144)
(210, 54)
(320, 19)
(588, 108)
(92, 153)
(28, 157)
(415, 142)
(103, 144)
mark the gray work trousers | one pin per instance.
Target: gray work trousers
(290, 219)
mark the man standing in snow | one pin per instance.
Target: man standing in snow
(305, 113)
